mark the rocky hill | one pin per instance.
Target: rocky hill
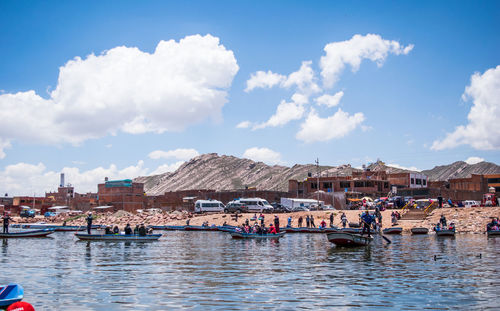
(211, 171)
(461, 169)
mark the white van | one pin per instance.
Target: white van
(255, 205)
(201, 206)
(471, 203)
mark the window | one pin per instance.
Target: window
(386, 184)
(314, 185)
(359, 184)
(345, 184)
(494, 180)
(327, 185)
(424, 182)
(419, 181)
(412, 181)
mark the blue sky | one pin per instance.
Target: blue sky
(400, 105)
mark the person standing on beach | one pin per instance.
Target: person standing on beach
(261, 217)
(289, 224)
(6, 218)
(331, 220)
(307, 221)
(299, 222)
(89, 222)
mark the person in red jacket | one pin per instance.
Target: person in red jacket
(272, 229)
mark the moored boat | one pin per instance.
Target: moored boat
(348, 239)
(201, 228)
(56, 227)
(241, 235)
(493, 233)
(393, 230)
(117, 237)
(28, 234)
(419, 230)
(226, 228)
(308, 230)
(445, 233)
(170, 228)
(10, 294)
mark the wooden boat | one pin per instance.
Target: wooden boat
(419, 230)
(308, 230)
(9, 294)
(57, 227)
(28, 234)
(393, 230)
(351, 230)
(226, 228)
(493, 233)
(445, 233)
(348, 239)
(242, 235)
(170, 228)
(117, 237)
(201, 228)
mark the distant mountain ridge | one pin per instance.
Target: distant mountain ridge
(461, 169)
(211, 171)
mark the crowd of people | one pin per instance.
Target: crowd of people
(140, 230)
(442, 225)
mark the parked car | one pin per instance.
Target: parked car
(27, 213)
(278, 208)
(49, 214)
(233, 207)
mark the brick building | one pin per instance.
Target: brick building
(122, 195)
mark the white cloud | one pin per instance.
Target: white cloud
(179, 154)
(286, 112)
(482, 132)
(265, 155)
(315, 128)
(304, 79)
(353, 51)
(124, 89)
(167, 168)
(262, 79)
(20, 178)
(411, 168)
(244, 125)
(330, 100)
(4, 144)
(474, 160)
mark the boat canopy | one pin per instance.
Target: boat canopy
(58, 208)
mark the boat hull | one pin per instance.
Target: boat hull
(394, 230)
(168, 228)
(28, 234)
(309, 230)
(445, 233)
(57, 227)
(239, 235)
(493, 233)
(201, 228)
(10, 294)
(117, 237)
(419, 230)
(348, 239)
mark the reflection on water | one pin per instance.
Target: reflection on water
(209, 270)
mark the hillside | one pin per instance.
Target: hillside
(461, 169)
(211, 171)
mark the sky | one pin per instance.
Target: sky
(122, 89)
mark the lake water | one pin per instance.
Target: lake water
(211, 271)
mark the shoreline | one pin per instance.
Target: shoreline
(466, 219)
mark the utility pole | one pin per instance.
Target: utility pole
(317, 179)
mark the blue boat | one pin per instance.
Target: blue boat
(242, 235)
(10, 293)
(117, 237)
(168, 227)
(28, 234)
